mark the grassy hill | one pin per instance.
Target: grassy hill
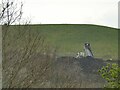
(70, 39)
(24, 57)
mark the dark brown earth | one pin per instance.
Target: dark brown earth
(83, 71)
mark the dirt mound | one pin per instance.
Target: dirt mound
(87, 64)
(73, 70)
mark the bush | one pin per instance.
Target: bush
(110, 73)
(24, 62)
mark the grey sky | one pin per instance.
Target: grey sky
(100, 12)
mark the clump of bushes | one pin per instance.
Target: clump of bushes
(111, 73)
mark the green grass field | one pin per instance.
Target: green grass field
(70, 39)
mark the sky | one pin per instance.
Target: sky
(99, 12)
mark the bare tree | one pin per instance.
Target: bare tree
(24, 61)
(10, 13)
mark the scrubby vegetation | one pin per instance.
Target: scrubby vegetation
(111, 73)
(26, 57)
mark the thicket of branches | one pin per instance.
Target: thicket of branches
(26, 56)
(24, 61)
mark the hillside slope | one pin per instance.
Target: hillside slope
(69, 39)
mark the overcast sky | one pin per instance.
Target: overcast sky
(100, 12)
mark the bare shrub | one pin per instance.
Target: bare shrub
(24, 63)
(23, 60)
